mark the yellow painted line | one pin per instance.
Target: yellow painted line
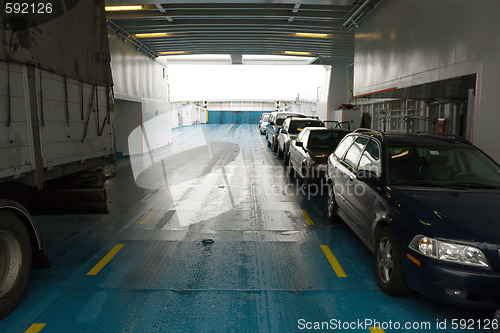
(148, 217)
(306, 217)
(376, 330)
(123, 164)
(333, 261)
(106, 259)
(35, 328)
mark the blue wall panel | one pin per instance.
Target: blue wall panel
(234, 117)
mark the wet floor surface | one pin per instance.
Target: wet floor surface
(210, 234)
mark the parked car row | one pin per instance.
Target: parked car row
(276, 120)
(304, 142)
(426, 205)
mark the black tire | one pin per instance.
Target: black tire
(306, 180)
(286, 158)
(305, 174)
(15, 261)
(280, 152)
(275, 146)
(331, 206)
(291, 170)
(268, 143)
(388, 268)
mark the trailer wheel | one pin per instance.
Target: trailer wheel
(15, 261)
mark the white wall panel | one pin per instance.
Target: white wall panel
(140, 79)
(409, 42)
(404, 43)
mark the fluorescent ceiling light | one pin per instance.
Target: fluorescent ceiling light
(297, 53)
(258, 59)
(197, 59)
(303, 34)
(118, 8)
(171, 52)
(156, 34)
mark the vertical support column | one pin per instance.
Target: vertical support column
(338, 92)
(470, 113)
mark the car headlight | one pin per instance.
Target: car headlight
(448, 251)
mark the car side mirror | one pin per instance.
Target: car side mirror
(271, 123)
(283, 131)
(299, 144)
(369, 177)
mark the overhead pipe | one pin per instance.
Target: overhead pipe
(356, 12)
(128, 37)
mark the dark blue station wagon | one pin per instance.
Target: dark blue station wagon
(428, 207)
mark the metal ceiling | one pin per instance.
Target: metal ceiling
(265, 27)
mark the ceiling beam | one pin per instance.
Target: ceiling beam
(236, 59)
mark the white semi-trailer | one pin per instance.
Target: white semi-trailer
(56, 121)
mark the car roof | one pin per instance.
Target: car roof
(328, 129)
(288, 114)
(419, 139)
(424, 140)
(304, 119)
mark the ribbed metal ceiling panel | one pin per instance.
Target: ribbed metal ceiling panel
(267, 27)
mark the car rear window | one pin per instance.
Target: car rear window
(324, 139)
(298, 125)
(281, 117)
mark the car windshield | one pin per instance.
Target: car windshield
(325, 139)
(443, 167)
(298, 125)
(265, 118)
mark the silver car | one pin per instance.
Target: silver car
(276, 119)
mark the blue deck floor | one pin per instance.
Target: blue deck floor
(266, 270)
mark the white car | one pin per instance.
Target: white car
(263, 121)
(289, 131)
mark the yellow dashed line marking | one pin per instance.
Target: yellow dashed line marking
(376, 330)
(123, 164)
(148, 217)
(306, 217)
(35, 328)
(225, 136)
(262, 143)
(106, 259)
(333, 261)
